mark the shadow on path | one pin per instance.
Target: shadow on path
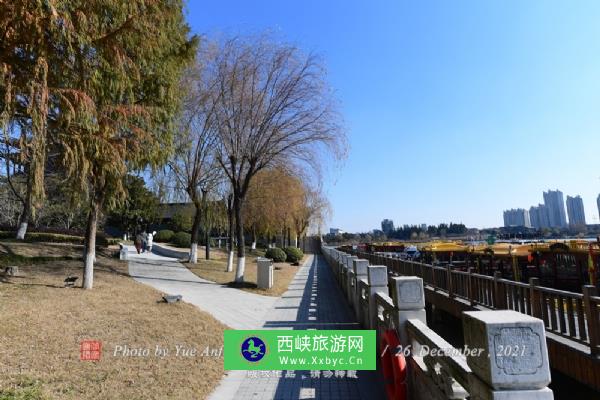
(313, 301)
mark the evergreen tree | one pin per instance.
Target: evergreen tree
(103, 89)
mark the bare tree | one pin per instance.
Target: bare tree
(230, 231)
(194, 164)
(273, 106)
(314, 210)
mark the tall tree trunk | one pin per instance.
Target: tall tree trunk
(195, 233)
(24, 219)
(207, 246)
(230, 233)
(27, 212)
(90, 245)
(239, 231)
(253, 237)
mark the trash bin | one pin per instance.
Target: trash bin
(265, 273)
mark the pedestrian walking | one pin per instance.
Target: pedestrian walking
(138, 243)
(144, 241)
(151, 240)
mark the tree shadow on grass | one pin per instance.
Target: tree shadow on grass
(8, 282)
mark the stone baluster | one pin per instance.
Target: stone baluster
(409, 300)
(378, 282)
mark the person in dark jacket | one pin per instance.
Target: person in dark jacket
(138, 243)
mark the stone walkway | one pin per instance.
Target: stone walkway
(312, 301)
(235, 308)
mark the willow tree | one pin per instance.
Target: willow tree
(313, 211)
(273, 107)
(275, 197)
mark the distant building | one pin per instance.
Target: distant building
(517, 217)
(538, 217)
(387, 226)
(553, 199)
(575, 211)
(336, 231)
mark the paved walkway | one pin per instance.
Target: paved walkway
(312, 301)
(235, 308)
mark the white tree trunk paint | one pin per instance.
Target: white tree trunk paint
(194, 253)
(89, 270)
(239, 272)
(253, 246)
(22, 231)
(230, 261)
(296, 241)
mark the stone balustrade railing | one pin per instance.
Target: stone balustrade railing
(505, 354)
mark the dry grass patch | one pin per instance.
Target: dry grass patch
(42, 325)
(214, 270)
(38, 250)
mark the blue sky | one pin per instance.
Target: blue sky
(455, 110)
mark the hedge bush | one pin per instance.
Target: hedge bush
(276, 254)
(101, 238)
(164, 236)
(293, 254)
(182, 239)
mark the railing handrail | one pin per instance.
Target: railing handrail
(515, 283)
(483, 277)
(384, 300)
(491, 278)
(455, 363)
(571, 317)
(563, 293)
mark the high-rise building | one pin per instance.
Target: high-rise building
(387, 226)
(575, 211)
(539, 217)
(518, 217)
(553, 199)
(598, 203)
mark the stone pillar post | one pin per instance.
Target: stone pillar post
(350, 283)
(508, 356)
(378, 282)
(409, 299)
(359, 267)
(341, 267)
